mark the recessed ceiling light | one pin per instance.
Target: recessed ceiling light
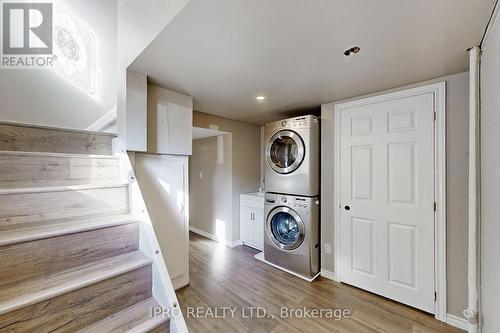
(351, 51)
(260, 98)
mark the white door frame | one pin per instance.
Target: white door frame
(438, 90)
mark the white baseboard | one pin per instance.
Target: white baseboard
(214, 238)
(458, 322)
(203, 233)
(234, 244)
(329, 275)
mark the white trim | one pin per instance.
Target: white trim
(234, 244)
(438, 89)
(260, 256)
(457, 322)
(214, 237)
(471, 313)
(107, 119)
(329, 275)
(258, 248)
(336, 191)
(203, 233)
(440, 197)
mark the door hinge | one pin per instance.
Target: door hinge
(435, 115)
(435, 206)
(435, 296)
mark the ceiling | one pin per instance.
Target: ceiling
(225, 53)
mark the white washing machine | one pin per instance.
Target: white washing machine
(291, 236)
(292, 156)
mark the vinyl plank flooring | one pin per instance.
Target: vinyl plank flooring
(224, 277)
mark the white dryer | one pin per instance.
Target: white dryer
(292, 156)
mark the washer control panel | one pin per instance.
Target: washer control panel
(290, 201)
(300, 122)
(300, 202)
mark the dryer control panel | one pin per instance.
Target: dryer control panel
(299, 122)
(294, 123)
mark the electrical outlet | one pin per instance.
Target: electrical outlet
(201, 175)
(328, 249)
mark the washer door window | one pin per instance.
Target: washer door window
(285, 228)
(285, 152)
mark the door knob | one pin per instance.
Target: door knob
(347, 208)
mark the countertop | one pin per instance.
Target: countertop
(255, 194)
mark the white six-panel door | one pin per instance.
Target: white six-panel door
(387, 197)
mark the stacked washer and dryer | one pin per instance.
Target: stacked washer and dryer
(292, 172)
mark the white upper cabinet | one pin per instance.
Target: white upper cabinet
(170, 122)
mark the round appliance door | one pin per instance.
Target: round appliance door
(285, 152)
(285, 228)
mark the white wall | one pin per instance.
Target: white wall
(456, 188)
(68, 96)
(245, 159)
(136, 111)
(211, 186)
(139, 22)
(490, 179)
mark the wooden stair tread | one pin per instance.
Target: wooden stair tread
(49, 229)
(60, 188)
(32, 291)
(136, 318)
(51, 154)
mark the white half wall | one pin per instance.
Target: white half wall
(136, 111)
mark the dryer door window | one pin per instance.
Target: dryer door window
(285, 228)
(285, 152)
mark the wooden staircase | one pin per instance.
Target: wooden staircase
(69, 250)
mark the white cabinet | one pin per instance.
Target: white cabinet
(252, 219)
(170, 122)
(164, 185)
(259, 223)
(246, 224)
